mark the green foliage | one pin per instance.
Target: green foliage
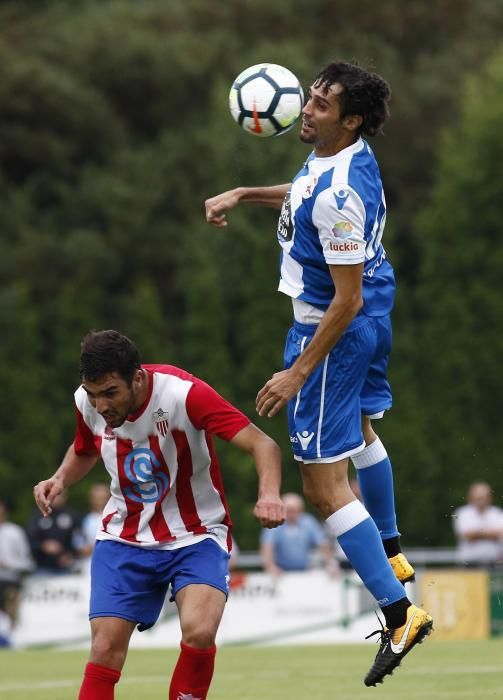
(114, 128)
(459, 294)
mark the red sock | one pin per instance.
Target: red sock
(193, 673)
(98, 683)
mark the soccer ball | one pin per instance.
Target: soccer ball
(266, 99)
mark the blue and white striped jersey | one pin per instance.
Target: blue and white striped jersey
(334, 214)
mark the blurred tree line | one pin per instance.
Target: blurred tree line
(114, 128)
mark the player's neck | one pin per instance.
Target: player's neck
(327, 150)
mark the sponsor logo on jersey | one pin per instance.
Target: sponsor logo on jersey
(187, 696)
(148, 484)
(341, 198)
(308, 192)
(161, 421)
(344, 247)
(342, 229)
(108, 433)
(285, 224)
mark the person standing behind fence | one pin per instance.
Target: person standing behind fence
(290, 546)
(479, 528)
(55, 538)
(15, 561)
(99, 495)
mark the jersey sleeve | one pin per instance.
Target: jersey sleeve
(209, 411)
(84, 439)
(339, 216)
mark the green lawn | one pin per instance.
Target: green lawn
(433, 671)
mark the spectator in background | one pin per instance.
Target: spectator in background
(99, 495)
(55, 538)
(479, 528)
(290, 546)
(15, 561)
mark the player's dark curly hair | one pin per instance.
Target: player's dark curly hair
(103, 352)
(365, 94)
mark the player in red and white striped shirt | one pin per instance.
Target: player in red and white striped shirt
(166, 525)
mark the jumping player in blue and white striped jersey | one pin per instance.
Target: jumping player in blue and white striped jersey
(334, 268)
(334, 214)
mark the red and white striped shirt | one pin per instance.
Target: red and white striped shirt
(167, 490)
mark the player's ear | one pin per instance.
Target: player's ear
(138, 377)
(353, 122)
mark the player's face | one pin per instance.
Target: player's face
(322, 125)
(113, 397)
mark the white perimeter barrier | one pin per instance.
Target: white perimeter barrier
(297, 608)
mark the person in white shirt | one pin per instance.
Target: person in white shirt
(479, 528)
(15, 561)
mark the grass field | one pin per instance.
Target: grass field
(434, 671)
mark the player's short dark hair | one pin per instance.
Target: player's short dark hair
(365, 94)
(103, 352)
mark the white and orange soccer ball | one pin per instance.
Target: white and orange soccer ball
(266, 99)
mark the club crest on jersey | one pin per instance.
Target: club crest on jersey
(308, 192)
(342, 229)
(341, 198)
(161, 421)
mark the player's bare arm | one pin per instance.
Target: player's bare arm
(345, 305)
(269, 509)
(218, 206)
(73, 468)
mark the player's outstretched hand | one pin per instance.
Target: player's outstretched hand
(277, 392)
(218, 206)
(270, 512)
(45, 492)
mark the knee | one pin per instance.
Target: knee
(322, 500)
(327, 496)
(106, 651)
(199, 634)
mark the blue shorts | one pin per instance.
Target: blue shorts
(132, 582)
(324, 419)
